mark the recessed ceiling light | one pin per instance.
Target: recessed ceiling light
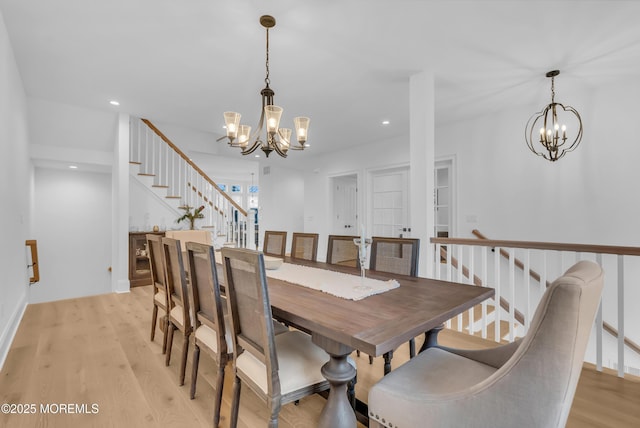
(257, 156)
(114, 103)
(385, 122)
(73, 166)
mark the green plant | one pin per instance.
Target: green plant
(191, 216)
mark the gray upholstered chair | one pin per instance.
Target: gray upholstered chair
(279, 369)
(528, 383)
(304, 246)
(210, 331)
(158, 279)
(341, 250)
(179, 317)
(275, 243)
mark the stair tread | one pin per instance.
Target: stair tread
(146, 175)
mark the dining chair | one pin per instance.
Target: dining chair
(527, 383)
(394, 255)
(304, 246)
(210, 331)
(184, 236)
(275, 243)
(399, 256)
(279, 369)
(341, 250)
(158, 279)
(179, 317)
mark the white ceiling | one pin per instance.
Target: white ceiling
(344, 63)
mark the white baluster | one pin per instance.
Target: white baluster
(599, 325)
(460, 279)
(527, 285)
(498, 309)
(512, 292)
(484, 284)
(620, 315)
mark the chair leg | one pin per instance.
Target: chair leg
(183, 361)
(165, 321)
(351, 391)
(275, 411)
(387, 362)
(171, 327)
(217, 403)
(357, 352)
(194, 372)
(412, 348)
(370, 359)
(235, 402)
(154, 318)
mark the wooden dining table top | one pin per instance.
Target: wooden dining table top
(376, 324)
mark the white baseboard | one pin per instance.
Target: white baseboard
(122, 286)
(9, 332)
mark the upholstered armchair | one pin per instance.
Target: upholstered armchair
(529, 383)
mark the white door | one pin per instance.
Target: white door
(345, 205)
(390, 208)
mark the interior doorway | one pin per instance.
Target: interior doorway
(389, 196)
(345, 205)
(444, 198)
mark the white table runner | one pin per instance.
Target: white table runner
(335, 283)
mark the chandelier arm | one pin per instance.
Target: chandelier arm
(248, 151)
(276, 147)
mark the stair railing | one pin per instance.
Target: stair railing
(173, 170)
(483, 260)
(536, 276)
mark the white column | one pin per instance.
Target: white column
(422, 158)
(120, 204)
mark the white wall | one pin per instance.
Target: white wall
(355, 160)
(15, 193)
(281, 200)
(73, 227)
(147, 209)
(590, 196)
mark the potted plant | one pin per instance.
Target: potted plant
(191, 216)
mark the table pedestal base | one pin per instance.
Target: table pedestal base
(337, 412)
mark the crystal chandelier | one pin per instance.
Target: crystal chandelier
(276, 139)
(546, 133)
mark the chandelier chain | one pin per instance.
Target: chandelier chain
(553, 90)
(266, 79)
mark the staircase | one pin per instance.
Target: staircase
(174, 178)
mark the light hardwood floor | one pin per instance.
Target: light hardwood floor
(96, 350)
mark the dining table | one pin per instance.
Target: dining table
(376, 324)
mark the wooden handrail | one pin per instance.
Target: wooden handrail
(612, 331)
(193, 165)
(604, 249)
(556, 246)
(504, 253)
(504, 304)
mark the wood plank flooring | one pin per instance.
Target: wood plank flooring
(93, 356)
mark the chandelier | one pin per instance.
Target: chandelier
(276, 139)
(546, 134)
